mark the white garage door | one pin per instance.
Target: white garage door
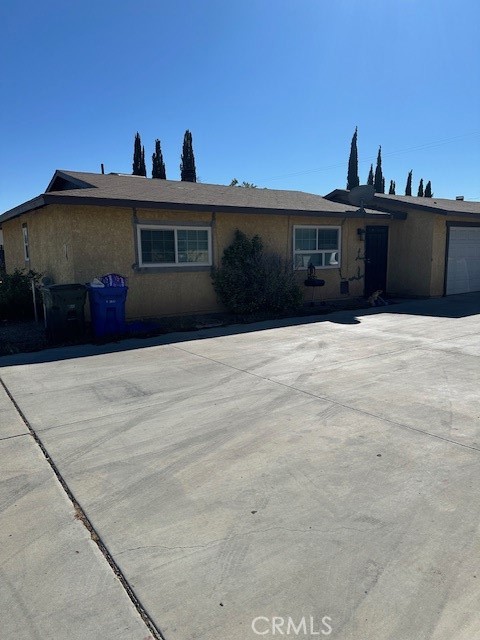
(463, 264)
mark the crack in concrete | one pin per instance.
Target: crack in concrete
(17, 435)
(214, 543)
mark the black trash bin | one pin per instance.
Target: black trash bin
(64, 311)
(107, 310)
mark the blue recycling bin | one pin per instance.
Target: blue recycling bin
(107, 310)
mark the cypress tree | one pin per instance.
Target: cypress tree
(158, 166)
(352, 177)
(139, 168)
(420, 189)
(187, 167)
(428, 190)
(391, 190)
(378, 182)
(408, 188)
(370, 176)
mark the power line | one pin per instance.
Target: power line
(428, 145)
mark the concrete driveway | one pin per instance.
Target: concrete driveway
(316, 480)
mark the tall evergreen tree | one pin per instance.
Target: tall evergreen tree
(408, 188)
(420, 189)
(428, 190)
(187, 168)
(391, 190)
(158, 166)
(139, 168)
(370, 176)
(352, 177)
(378, 182)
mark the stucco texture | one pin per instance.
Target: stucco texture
(75, 243)
(111, 249)
(277, 235)
(410, 255)
(50, 243)
(417, 249)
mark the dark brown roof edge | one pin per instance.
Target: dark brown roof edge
(434, 211)
(387, 204)
(30, 205)
(382, 204)
(147, 204)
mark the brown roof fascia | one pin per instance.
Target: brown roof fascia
(49, 198)
(387, 204)
(398, 204)
(30, 205)
(405, 206)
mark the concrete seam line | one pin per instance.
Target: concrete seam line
(17, 435)
(336, 402)
(81, 515)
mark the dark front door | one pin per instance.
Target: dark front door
(376, 252)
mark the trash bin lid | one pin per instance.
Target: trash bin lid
(65, 287)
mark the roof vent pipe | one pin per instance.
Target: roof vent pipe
(102, 168)
(459, 198)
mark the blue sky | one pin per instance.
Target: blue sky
(271, 89)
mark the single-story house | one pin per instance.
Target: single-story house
(164, 236)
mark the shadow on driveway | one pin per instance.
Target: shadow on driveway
(456, 306)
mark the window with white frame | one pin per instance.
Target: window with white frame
(319, 246)
(174, 246)
(26, 251)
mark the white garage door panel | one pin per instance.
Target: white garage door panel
(463, 265)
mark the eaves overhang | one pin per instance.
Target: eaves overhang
(388, 204)
(30, 205)
(49, 198)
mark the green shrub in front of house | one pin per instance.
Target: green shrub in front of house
(251, 280)
(16, 300)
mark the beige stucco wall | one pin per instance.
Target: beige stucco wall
(410, 255)
(276, 232)
(417, 253)
(439, 243)
(77, 243)
(13, 245)
(50, 244)
(111, 249)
